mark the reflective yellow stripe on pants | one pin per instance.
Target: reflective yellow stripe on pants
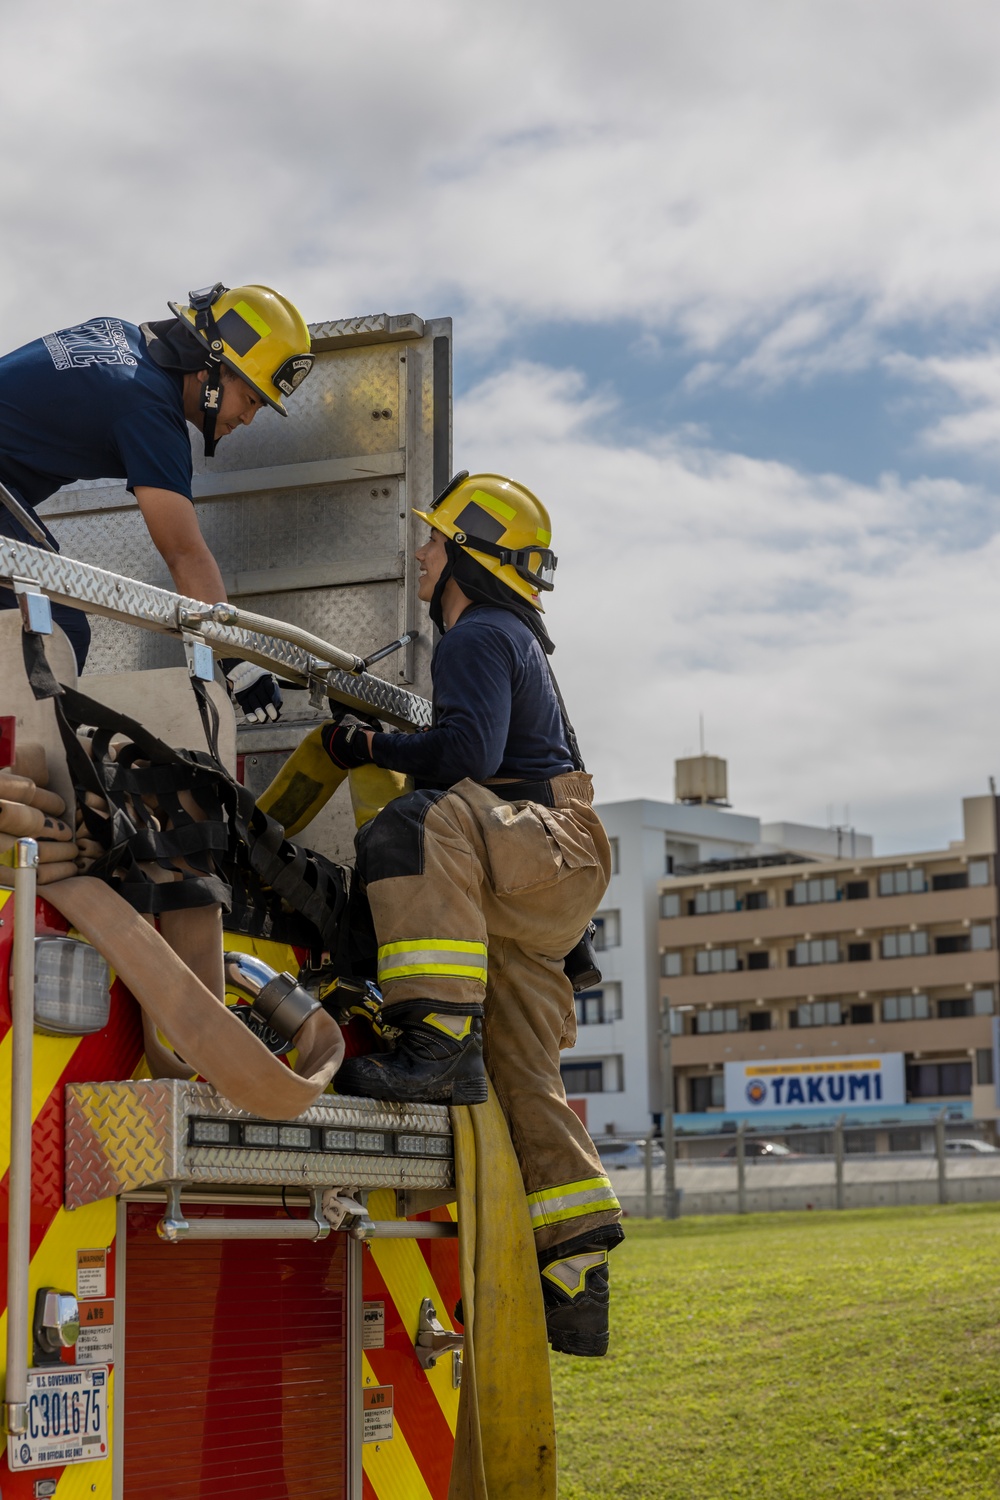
(444, 958)
(574, 1200)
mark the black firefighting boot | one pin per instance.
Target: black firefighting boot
(575, 1291)
(437, 1057)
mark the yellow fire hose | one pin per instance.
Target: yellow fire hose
(505, 1444)
(198, 1024)
(308, 780)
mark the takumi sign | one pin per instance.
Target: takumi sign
(816, 1083)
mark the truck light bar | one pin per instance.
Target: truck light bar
(264, 1136)
(136, 1134)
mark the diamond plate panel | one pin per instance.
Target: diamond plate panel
(330, 416)
(125, 1136)
(364, 614)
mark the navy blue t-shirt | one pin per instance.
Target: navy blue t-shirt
(89, 403)
(495, 709)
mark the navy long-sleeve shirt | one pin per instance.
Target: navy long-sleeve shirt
(495, 709)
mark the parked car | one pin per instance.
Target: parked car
(753, 1147)
(629, 1154)
(970, 1146)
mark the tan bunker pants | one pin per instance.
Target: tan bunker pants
(477, 901)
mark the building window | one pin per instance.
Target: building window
(862, 1015)
(600, 1075)
(722, 1018)
(950, 880)
(905, 1008)
(858, 953)
(614, 856)
(950, 1010)
(756, 901)
(722, 899)
(817, 1013)
(759, 959)
(806, 892)
(905, 944)
(583, 1078)
(676, 1022)
(672, 964)
(979, 872)
(856, 890)
(716, 961)
(670, 905)
(984, 1065)
(939, 1080)
(982, 1002)
(598, 1007)
(608, 934)
(982, 937)
(901, 882)
(707, 1093)
(816, 951)
(760, 1020)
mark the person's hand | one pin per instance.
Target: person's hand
(347, 745)
(254, 689)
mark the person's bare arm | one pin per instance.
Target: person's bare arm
(171, 521)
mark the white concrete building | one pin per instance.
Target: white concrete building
(612, 1074)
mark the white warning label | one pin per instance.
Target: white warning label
(377, 1412)
(373, 1325)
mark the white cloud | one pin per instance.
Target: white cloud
(767, 171)
(973, 380)
(842, 647)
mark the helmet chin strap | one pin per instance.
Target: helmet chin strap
(435, 608)
(211, 391)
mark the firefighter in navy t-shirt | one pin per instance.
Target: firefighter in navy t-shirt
(109, 400)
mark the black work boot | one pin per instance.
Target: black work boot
(576, 1293)
(437, 1058)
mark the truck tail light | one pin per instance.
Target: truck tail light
(72, 987)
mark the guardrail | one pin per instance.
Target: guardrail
(741, 1171)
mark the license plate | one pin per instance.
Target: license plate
(67, 1418)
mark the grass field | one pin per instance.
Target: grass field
(815, 1356)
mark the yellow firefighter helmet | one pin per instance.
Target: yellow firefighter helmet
(502, 525)
(256, 332)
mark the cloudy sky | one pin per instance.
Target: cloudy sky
(726, 289)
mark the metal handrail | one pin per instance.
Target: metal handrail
(22, 1014)
(295, 656)
(175, 1229)
(280, 630)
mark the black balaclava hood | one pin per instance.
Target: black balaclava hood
(484, 588)
(173, 346)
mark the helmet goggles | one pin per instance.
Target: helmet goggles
(536, 565)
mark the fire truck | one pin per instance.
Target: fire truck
(202, 1299)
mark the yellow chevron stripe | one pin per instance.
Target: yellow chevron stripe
(393, 1471)
(407, 1275)
(54, 1264)
(52, 1056)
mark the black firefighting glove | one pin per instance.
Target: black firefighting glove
(346, 744)
(254, 689)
